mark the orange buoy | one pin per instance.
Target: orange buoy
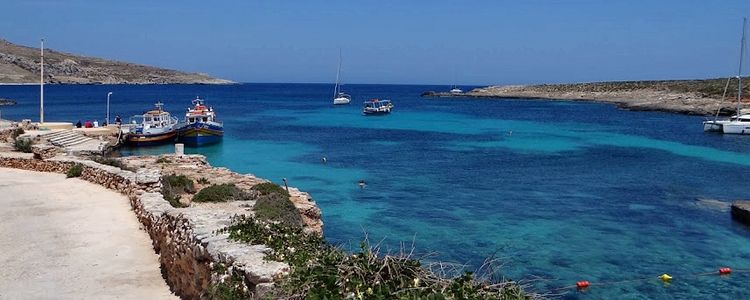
(582, 284)
(725, 271)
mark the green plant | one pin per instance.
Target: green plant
(232, 287)
(221, 193)
(268, 188)
(203, 180)
(322, 271)
(278, 208)
(23, 145)
(74, 171)
(173, 186)
(17, 132)
(163, 160)
(113, 162)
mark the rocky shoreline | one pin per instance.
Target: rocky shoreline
(694, 97)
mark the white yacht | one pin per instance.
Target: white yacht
(340, 97)
(456, 90)
(740, 122)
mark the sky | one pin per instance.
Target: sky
(399, 42)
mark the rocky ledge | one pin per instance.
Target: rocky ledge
(697, 97)
(4, 101)
(741, 211)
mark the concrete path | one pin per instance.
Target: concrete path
(70, 239)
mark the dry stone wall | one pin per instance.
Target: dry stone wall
(185, 238)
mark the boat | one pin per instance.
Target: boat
(200, 126)
(377, 107)
(739, 123)
(455, 90)
(156, 127)
(340, 97)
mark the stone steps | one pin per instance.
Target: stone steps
(66, 138)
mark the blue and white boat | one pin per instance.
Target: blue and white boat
(377, 107)
(200, 126)
(156, 127)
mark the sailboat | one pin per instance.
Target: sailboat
(739, 123)
(340, 97)
(456, 90)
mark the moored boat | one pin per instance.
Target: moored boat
(377, 107)
(156, 127)
(339, 97)
(200, 126)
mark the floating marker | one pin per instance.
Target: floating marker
(582, 284)
(725, 271)
(665, 277)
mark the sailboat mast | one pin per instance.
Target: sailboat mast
(739, 72)
(338, 73)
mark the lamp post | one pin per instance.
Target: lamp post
(41, 84)
(108, 94)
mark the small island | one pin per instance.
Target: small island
(696, 97)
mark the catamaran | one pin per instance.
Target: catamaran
(157, 126)
(200, 126)
(340, 97)
(739, 123)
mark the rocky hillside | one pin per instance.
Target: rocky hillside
(703, 97)
(20, 64)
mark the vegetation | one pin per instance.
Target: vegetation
(221, 193)
(113, 162)
(273, 204)
(203, 180)
(322, 271)
(173, 186)
(163, 160)
(231, 288)
(23, 145)
(17, 132)
(74, 171)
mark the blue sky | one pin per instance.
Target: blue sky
(433, 42)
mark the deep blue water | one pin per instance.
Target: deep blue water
(560, 191)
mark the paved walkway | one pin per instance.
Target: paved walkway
(70, 239)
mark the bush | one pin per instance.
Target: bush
(203, 180)
(74, 171)
(163, 160)
(173, 186)
(278, 208)
(113, 162)
(322, 271)
(268, 188)
(221, 193)
(17, 132)
(23, 145)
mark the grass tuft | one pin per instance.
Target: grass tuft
(74, 171)
(173, 186)
(221, 193)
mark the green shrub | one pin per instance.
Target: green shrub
(277, 207)
(322, 271)
(221, 193)
(74, 171)
(173, 186)
(233, 287)
(163, 160)
(113, 162)
(23, 145)
(203, 180)
(17, 132)
(268, 188)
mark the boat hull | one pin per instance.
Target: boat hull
(139, 139)
(198, 134)
(341, 101)
(736, 128)
(713, 126)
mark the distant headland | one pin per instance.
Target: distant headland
(20, 64)
(698, 97)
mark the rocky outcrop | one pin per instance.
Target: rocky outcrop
(188, 240)
(741, 211)
(4, 101)
(20, 64)
(699, 97)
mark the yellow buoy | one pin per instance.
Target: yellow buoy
(665, 277)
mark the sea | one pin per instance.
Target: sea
(552, 192)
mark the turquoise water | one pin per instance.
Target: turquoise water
(558, 191)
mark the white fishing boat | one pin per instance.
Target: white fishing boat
(340, 97)
(739, 123)
(456, 90)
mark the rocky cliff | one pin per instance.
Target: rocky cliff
(20, 64)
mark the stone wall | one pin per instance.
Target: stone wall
(186, 239)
